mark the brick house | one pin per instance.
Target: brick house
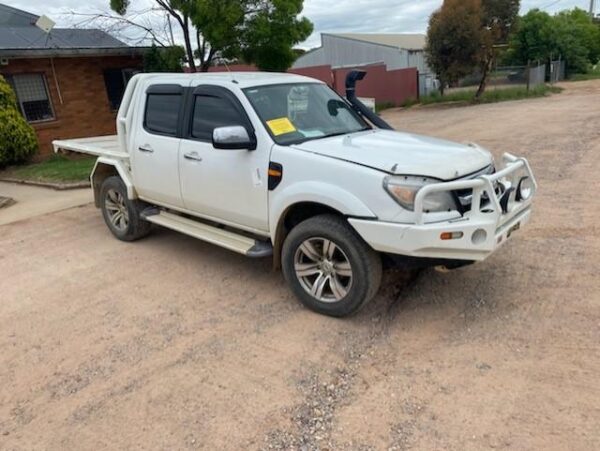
(69, 82)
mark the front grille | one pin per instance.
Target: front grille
(464, 197)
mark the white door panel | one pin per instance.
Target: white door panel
(226, 184)
(156, 149)
(156, 172)
(230, 185)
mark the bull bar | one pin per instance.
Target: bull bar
(514, 169)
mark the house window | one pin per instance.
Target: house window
(32, 95)
(115, 81)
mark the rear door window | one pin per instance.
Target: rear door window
(162, 113)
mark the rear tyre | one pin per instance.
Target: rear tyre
(122, 215)
(329, 267)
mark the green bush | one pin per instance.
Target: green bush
(18, 142)
(592, 74)
(8, 99)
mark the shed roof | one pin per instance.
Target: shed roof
(408, 41)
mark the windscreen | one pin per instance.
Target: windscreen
(295, 113)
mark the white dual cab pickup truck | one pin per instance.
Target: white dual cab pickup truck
(280, 165)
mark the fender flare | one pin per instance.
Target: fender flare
(104, 168)
(326, 194)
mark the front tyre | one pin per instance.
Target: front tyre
(329, 267)
(122, 215)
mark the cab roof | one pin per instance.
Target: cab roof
(240, 79)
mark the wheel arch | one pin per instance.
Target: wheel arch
(305, 204)
(293, 215)
(105, 168)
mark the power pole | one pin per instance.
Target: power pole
(593, 8)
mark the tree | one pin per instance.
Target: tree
(218, 29)
(271, 34)
(17, 138)
(533, 39)
(262, 31)
(454, 40)
(164, 59)
(571, 35)
(577, 39)
(179, 10)
(497, 20)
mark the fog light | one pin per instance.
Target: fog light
(479, 236)
(524, 189)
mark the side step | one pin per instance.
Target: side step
(224, 238)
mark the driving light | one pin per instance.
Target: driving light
(524, 189)
(404, 189)
(479, 236)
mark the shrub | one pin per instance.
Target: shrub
(18, 142)
(8, 99)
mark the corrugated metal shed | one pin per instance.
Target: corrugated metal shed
(396, 51)
(406, 41)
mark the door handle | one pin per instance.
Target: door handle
(192, 156)
(146, 148)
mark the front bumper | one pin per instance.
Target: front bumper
(481, 231)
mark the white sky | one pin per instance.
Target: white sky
(382, 16)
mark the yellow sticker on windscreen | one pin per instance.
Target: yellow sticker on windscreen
(281, 126)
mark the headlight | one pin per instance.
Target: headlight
(404, 189)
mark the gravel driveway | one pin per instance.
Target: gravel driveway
(170, 343)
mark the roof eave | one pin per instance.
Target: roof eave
(74, 52)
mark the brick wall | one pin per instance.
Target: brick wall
(85, 109)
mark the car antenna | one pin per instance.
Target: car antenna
(230, 73)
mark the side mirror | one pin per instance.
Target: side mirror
(232, 138)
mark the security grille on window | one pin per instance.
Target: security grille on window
(32, 95)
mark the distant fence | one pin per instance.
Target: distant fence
(383, 85)
(509, 76)
(557, 71)
(500, 77)
(428, 84)
(323, 73)
(537, 76)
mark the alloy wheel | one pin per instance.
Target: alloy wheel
(116, 208)
(323, 269)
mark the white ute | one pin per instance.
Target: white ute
(280, 165)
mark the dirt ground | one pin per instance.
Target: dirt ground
(170, 343)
